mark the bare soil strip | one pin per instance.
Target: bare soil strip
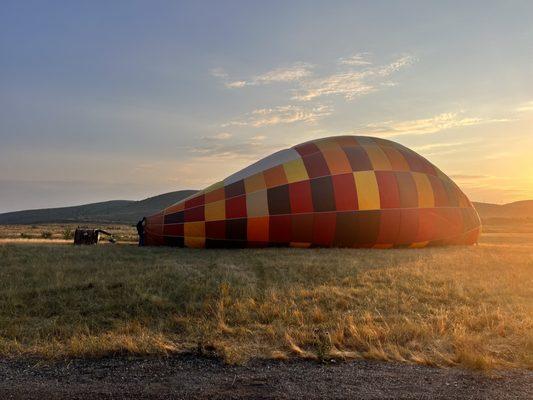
(204, 378)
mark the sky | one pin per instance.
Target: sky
(108, 100)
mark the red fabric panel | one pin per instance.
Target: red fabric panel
(345, 228)
(194, 202)
(322, 193)
(194, 214)
(429, 169)
(280, 228)
(173, 230)
(414, 160)
(235, 189)
(316, 165)
(389, 193)
(345, 192)
(427, 222)
(236, 229)
(215, 229)
(453, 221)
(408, 227)
(306, 149)
(389, 227)
(358, 158)
(236, 207)
(324, 228)
(368, 223)
(279, 200)
(407, 189)
(302, 228)
(453, 193)
(300, 197)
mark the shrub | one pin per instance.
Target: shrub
(68, 234)
(46, 235)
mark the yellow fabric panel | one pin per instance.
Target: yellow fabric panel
(194, 229)
(327, 143)
(257, 204)
(295, 171)
(195, 242)
(254, 183)
(215, 211)
(378, 158)
(426, 197)
(367, 190)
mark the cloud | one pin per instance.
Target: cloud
(244, 149)
(218, 73)
(283, 115)
(427, 125)
(467, 177)
(525, 107)
(356, 60)
(220, 136)
(351, 83)
(292, 73)
(437, 146)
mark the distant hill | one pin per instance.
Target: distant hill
(120, 211)
(517, 209)
(129, 211)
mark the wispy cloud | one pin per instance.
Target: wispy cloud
(444, 145)
(525, 107)
(220, 136)
(352, 83)
(427, 125)
(240, 149)
(282, 115)
(468, 177)
(356, 60)
(291, 73)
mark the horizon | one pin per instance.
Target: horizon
(114, 101)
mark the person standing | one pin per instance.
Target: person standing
(140, 230)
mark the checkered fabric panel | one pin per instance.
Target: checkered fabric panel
(347, 191)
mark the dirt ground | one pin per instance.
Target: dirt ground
(204, 378)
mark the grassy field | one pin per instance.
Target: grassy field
(466, 306)
(122, 232)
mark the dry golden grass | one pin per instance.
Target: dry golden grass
(65, 231)
(466, 306)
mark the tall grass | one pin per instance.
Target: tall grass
(469, 306)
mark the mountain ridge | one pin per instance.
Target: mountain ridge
(118, 211)
(130, 211)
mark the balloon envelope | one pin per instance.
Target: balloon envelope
(346, 191)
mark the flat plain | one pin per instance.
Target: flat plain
(449, 306)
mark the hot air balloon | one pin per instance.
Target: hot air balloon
(345, 191)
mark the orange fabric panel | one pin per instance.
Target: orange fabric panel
(215, 195)
(275, 176)
(397, 160)
(337, 161)
(258, 229)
